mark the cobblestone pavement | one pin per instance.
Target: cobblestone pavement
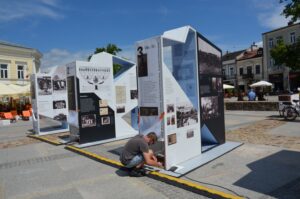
(256, 133)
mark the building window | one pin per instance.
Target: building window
(3, 71)
(271, 43)
(20, 72)
(241, 71)
(231, 72)
(278, 39)
(257, 69)
(249, 69)
(292, 37)
(223, 71)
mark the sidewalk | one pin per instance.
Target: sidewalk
(40, 170)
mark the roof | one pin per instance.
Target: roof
(5, 43)
(252, 54)
(231, 56)
(282, 28)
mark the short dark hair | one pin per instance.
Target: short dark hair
(152, 136)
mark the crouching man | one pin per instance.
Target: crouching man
(136, 153)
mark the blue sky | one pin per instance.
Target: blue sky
(65, 30)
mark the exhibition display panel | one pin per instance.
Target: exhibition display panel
(180, 98)
(49, 101)
(102, 105)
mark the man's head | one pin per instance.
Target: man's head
(152, 138)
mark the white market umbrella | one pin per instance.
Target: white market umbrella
(261, 84)
(20, 89)
(226, 86)
(6, 90)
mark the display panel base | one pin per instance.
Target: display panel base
(198, 161)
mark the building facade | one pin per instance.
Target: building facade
(249, 68)
(17, 63)
(281, 77)
(229, 67)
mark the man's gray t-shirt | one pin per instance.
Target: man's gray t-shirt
(136, 145)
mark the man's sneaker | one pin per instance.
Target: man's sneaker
(142, 171)
(135, 173)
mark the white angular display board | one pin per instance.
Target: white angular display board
(49, 101)
(102, 106)
(181, 96)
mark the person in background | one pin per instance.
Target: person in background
(251, 95)
(136, 153)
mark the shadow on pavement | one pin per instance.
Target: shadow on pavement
(277, 175)
(121, 173)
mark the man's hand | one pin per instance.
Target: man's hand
(159, 164)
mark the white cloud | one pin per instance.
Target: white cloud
(269, 13)
(15, 9)
(273, 19)
(61, 56)
(259, 43)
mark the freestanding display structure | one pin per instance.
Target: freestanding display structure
(181, 97)
(102, 105)
(49, 101)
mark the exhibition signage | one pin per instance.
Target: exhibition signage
(180, 93)
(49, 101)
(101, 104)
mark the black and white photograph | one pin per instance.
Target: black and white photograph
(71, 93)
(172, 139)
(149, 111)
(173, 120)
(219, 84)
(170, 108)
(133, 94)
(105, 120)
(60, 104)
(88, 120)
(214, 83)
(103, 111)
(186, 115)
(103, 103)
(60, 117)
(209, 106)
(59, 84)
(209, 63)
(168, 121)
(44, 85)
(120, 109)
(142, 65)
(190, 134)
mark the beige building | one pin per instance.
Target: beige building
(281, 77)
(249, 67)
(229, 67)
(17, 63)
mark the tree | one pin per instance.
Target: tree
(292, 9)
(112, 49)
(288, 54)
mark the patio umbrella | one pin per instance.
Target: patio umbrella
(261, 84)
(6, 90)
(20, 89)
(226, 86)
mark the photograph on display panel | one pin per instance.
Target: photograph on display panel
(88, 120)
(59, 80)
(44, 85)
(210, 107)
(120, 109)
(133, 94)
(105, 120)
(103, 111)
(186, 115)
(190, 134)
(60, 104)
(172, 139)
(71, 93)
(148, 111)
(142, 65)
(209, 58)
(60, 117)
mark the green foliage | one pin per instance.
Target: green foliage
(287, 54)
(292, 9)
(110, 48)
